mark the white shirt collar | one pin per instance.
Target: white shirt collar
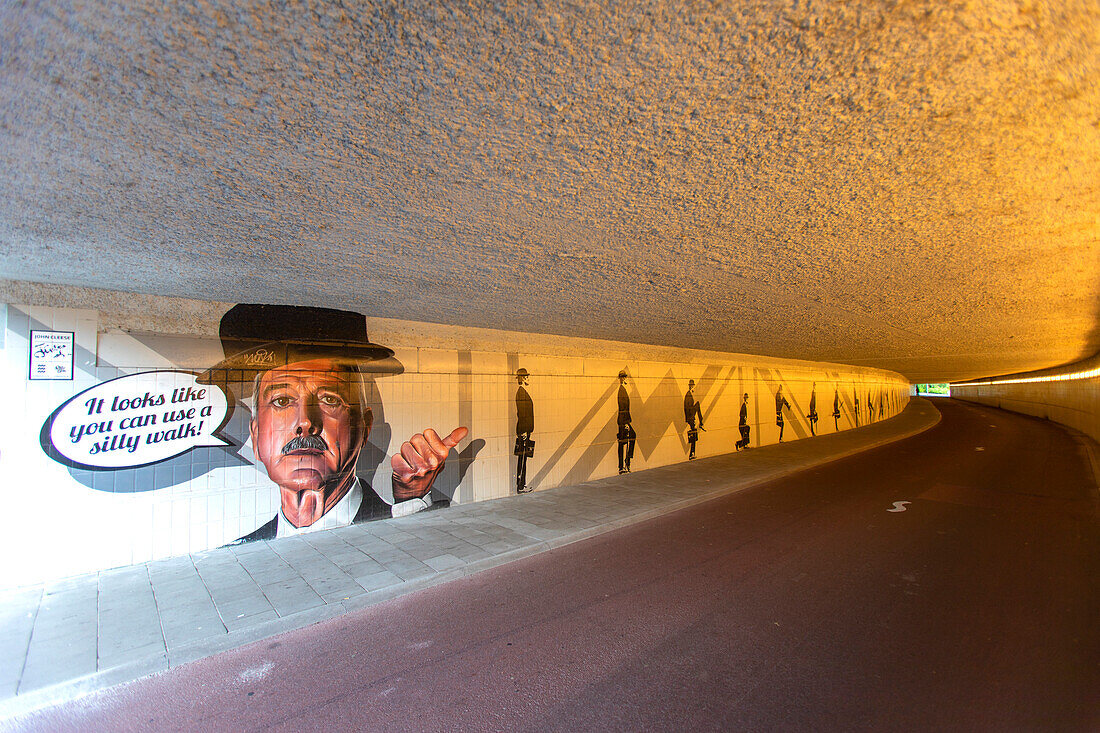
(340, 515)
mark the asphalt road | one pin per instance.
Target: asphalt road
(803, 604)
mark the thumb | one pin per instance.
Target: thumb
(456, 435)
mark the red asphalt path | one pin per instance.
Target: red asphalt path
(800, 604)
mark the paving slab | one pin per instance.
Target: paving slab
(71, 637)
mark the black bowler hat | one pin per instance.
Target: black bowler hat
(521, 372)
(256, 338)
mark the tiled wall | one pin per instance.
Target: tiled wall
(1073, 401)
(73, 520)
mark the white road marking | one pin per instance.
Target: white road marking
(254, 674)
(979, 448)
(899, 506)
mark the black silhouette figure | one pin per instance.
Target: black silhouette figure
(525, 426)
(626, 435)
(743, 423)
(870, 408)
(692, 410)
(836, 409)
(856, 396)
(813, 409)
(780, 403)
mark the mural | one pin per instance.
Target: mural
(836, 409)
(289, 420)
(302, 371)
(780, 404)
(743, 424)
(626, 435)
(525, 427)
(135, 421)
(812, 415)
(692, 411)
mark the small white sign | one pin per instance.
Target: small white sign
(51, 355)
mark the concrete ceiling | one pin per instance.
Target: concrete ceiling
(909, 185)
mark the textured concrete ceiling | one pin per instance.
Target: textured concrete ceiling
(907, 185)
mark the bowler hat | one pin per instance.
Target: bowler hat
(256, 338)
(521, 372)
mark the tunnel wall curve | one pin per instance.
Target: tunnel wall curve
(132, 418)
(1058, 394)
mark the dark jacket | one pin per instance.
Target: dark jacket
(525, 412)
(624, 406)
(691, 408)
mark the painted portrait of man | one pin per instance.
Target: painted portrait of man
(305, 371)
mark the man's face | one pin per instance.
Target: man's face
(308, 430)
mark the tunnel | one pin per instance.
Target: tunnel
(550, 366)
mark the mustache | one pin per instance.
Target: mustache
(305, 442)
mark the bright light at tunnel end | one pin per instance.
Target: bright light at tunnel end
(1087, 374)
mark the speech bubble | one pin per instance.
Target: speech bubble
(135, 421)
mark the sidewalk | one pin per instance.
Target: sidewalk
(93, 631)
